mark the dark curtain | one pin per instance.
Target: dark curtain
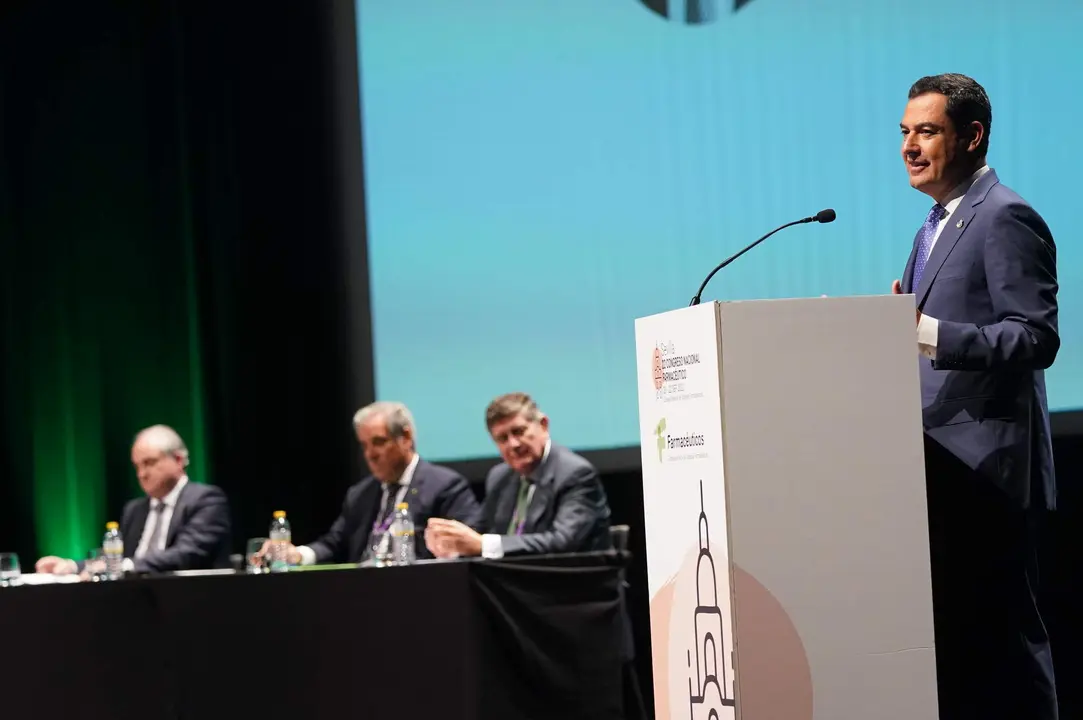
(182, 242)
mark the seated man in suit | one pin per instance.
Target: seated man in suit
(542, 499)
(177, 525)
(387, 436)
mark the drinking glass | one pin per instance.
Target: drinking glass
(95, 564)
(254, 562)
(10, 572)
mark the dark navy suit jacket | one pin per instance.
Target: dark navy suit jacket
(991, 281)
(199, 535)
(435, 491)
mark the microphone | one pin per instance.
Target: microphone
(824, 216)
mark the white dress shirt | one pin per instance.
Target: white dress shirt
(308, 555)
(929, 327)
(169, 504)
(492, 546)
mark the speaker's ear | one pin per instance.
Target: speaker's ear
(973, 136)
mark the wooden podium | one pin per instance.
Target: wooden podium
(785, 511)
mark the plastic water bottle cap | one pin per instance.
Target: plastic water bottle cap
(111, 526)
(280, 514)
(401, 506)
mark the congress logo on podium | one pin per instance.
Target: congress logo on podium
(659, 376)
(671, 372)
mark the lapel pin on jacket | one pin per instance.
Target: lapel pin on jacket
(959, 224)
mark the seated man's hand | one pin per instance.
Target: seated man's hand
(293, 557)
(439, 549)
(51, 564)
(451, 538)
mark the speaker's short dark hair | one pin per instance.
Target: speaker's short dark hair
(967, 101)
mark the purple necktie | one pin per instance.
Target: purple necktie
(925, 242)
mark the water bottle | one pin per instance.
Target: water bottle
(402, 537)
(113, 550)
(280, 537)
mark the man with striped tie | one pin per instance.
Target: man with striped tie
(398, 474)
(983, 273)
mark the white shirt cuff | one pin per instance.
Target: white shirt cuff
(491, 547)
(128, 565)
(928, 331)
(308, 555)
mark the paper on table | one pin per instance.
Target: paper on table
(47, 579)
(200, 573)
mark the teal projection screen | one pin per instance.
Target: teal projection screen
(541, 172)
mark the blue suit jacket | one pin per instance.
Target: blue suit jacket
(991, 281)
(435, 491)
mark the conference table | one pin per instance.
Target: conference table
(537, 637)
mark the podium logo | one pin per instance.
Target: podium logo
(670, 369)
(660, 437)
(691, 12)
(672, 448)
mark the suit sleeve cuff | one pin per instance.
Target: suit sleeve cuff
(928, 332)
(308, 555)
(492, 547)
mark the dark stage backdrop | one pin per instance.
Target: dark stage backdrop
(176, 249)
(180, 242)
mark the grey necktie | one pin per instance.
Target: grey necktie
(155, 526)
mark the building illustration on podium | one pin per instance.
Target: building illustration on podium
(691, 616)
(710, 686)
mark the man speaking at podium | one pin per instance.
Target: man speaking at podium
(983, 273)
